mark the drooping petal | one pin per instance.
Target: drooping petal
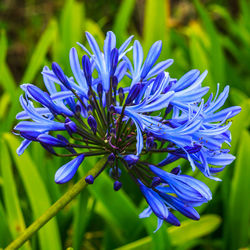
(67, 171)
(154, 201)
(25, 143)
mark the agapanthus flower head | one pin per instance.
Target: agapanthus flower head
(91, 113)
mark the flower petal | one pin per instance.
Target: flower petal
(67, 171)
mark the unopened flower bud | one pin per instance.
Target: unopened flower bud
(114, 82)
(117, 185)
(111, 158)
(176, 170)
(150, 143)
(92, 123)
(131, 159)
(121, 94)
(113, 60)
(90, 95)
(90, 179)
(99, 88)
(86, 65)
(133, 93)
(60, 75)
(78, 110)
(70, 126)
(113, 131)
(111, 109)
(156, 181)
(89, 108)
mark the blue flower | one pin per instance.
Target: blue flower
(91, 113)
(187, 188)
(104, 63)
(67, 171)
(140, 72)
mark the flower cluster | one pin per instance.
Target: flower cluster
(91, 114)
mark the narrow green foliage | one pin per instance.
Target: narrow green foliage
(71, 30)
(3, 46)
(161, 239)
(83, 209)
(155, 17)
(4, 228)
(189, 230)
(40, 52)
(122, 18)
(238, 212)
(11, 201)
(215, 50)
(38, 196)
(200, 58)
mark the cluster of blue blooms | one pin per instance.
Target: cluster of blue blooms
(89, 114)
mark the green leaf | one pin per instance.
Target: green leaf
(160, 240)
(3, 46)
(4, 103)
(239, 124)
(72, 23)
(122, 19)
(189, 230)
(155, 27)
(39, 54)
(13, 210)
(72, 27)
(84, 207)
(15, 107)
(37, 194)
(200, 59)
(4, 228)
(245, 16)
(216, 55)
(237, 96)
(7, 80)
(238, 211)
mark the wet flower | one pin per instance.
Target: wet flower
(91, 114)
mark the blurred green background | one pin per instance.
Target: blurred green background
(213, 35)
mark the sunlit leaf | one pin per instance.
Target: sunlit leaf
(189, 230)
(39, 54)
(37, 194)
(238, 211)
(122, 19)
(13, 210)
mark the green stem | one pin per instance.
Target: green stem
(55, 208)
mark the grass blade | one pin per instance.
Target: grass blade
(40, 52)
(238, 213)
(155, 27)
(4, 228)
(37, 194)
(13, 210)
(72, 26)
(215, 50)
(122, 19)
(189, 230)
